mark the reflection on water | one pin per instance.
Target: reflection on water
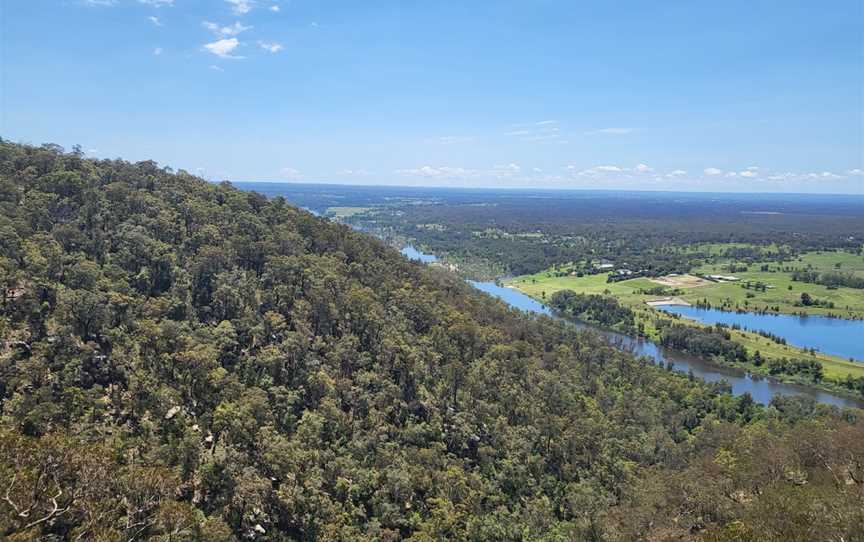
(830, 335)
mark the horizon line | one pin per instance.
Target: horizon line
(550, 188)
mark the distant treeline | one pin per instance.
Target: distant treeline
(831, 279)
(529, 234)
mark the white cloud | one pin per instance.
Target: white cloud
(826, 175)
(610, 131)
(749, 173)
(792, 176)
(640, 171)
(241, 7)
(270, 47)
(100, 3)
(855, 172)
(507, 170)
(274, 9)
(713, 171)
(545, 130)
(157, 3)
(753, 168)
(223, 48)
(677, 173)
(157, 51)
(437, 172)
(226, 31)
(155, 20)
(214, 67)
(290, 173)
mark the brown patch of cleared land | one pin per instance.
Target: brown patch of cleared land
(667, 301)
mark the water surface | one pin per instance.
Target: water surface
(413, 254)
(760, 388)
(844, 338)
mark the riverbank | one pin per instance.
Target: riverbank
(761, 387)
(650, 320)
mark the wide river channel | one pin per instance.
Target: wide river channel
(844, 338)
(760, 388)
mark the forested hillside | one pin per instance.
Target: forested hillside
(187, 361)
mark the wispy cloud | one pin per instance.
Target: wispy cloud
(274, 8)
(437, 172)
(226, 31)
(506, 170)
(639, 175)
(532, 132)
(100, 3)
(223, 48)
(241, 7)
(157, 3)
(610, 131)
(154, 20)
(157, 51)
(270, 47)
(501, 172)
(645, 173)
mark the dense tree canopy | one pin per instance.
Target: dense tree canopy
(186, 361)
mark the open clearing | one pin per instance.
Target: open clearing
(681, 281)
(667, 301)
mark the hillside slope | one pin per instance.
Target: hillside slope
(186, 361)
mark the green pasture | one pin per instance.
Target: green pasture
(782, 293)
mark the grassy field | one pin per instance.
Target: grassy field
(833, 261)
(716, 249)
(783, 293)
(544, 284)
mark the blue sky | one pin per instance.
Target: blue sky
(685, 95)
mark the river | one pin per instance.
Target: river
(760, 388)
(829, 335)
